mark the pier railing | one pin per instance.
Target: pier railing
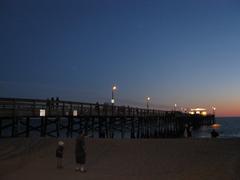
(32, 108)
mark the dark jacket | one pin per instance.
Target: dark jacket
(59, 152)
(80, 153)
(214, 134)
(189, 131)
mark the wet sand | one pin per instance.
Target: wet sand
(180, 159)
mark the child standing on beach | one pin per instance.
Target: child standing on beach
(59, 154)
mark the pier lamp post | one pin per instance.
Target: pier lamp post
(148, 100)
(214, 110)
(114, 88)
(175, 107)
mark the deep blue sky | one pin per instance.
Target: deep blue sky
(185, 52)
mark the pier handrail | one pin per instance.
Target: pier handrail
(53, 106)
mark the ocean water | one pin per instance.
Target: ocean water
(230, 128)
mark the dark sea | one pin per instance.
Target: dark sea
(230, 128)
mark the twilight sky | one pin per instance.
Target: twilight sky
(185, 52)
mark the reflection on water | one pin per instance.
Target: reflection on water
(230, 128)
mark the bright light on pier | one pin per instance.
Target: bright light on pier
(199, 111)
(216, 126)
(75, 113)
(42, 112)
(114, 88)
(148, 100)
(112, 101)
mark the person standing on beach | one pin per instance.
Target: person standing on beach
(214, 134)
(80, 153)
(189, 131)
(186, 131)
(59, 154)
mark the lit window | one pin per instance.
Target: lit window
(42, 112)
(112, 101)
(75, 113)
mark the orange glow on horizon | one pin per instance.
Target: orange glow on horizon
(224, 111)
(221, 109)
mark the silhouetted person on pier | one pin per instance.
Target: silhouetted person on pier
(57, 102)
(80, 153)
(214, 133)
(97, 107)
(52, 103)
(105, 108)
(48, 104)
(59, 154)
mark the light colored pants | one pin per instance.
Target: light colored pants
(80, 167)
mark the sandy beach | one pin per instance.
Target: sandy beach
(180, 159)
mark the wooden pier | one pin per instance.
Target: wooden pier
(55, 118)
